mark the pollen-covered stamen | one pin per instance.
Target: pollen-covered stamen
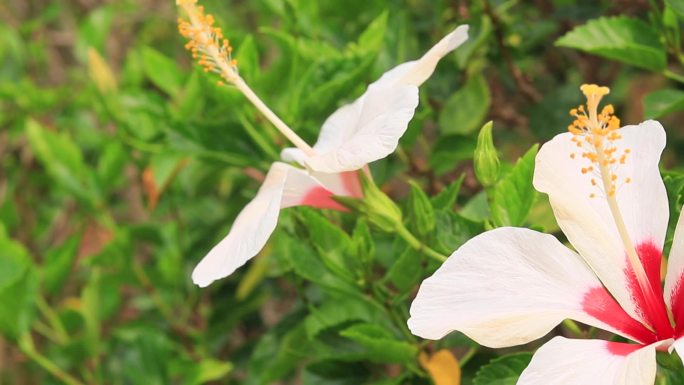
(213, 52)
(595, 134)
(206, 42)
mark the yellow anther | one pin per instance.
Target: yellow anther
(596, 133)
(206, 42)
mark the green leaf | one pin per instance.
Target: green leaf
(162, 71)
(624, 39)
(446, 199)
(333, 372)
(503, 370)
(208, 370)
(333, 313)
(662, 102)
(382, 346)
(421, 215)
(247, 57)
(57, 264)
(449, 151)
(406, 271)
(111, 164)
(362, 246)
(62, 159)
(453, 230)
(18, 287)
(278, 352)
(677, 6)
(514, 195)
(466, 108)
(307, 264)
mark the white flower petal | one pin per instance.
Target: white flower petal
(369, 128)
(510, 286)
(418, 71)
(564, 361)
(293, 154)
(677, 345)
(674, 282)
(284, 186)
(366, 130)
(588, 223)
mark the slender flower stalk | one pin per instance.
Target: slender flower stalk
(214, 53)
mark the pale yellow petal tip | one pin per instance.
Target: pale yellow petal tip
(458, 36)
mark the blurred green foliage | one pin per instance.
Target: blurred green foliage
(123, 163)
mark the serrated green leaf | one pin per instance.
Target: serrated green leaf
(628, 40)
(453, 230)
(307, 264)
(382, 346)
(503, 370)
(465, 110)
(514, 195)
(662, 102)
(407, 271)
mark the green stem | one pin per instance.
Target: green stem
(60, 333)
(673, 76)
(573, 327)
(414, 242)
(258, 139)
(466, 357)
(27, 347)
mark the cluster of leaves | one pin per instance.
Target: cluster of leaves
(122, 164)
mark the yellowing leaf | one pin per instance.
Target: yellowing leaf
(100, 72)
(442, 366)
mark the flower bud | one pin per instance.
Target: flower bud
(486, 161)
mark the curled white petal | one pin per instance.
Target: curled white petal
(369, 128)
(284, 186)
